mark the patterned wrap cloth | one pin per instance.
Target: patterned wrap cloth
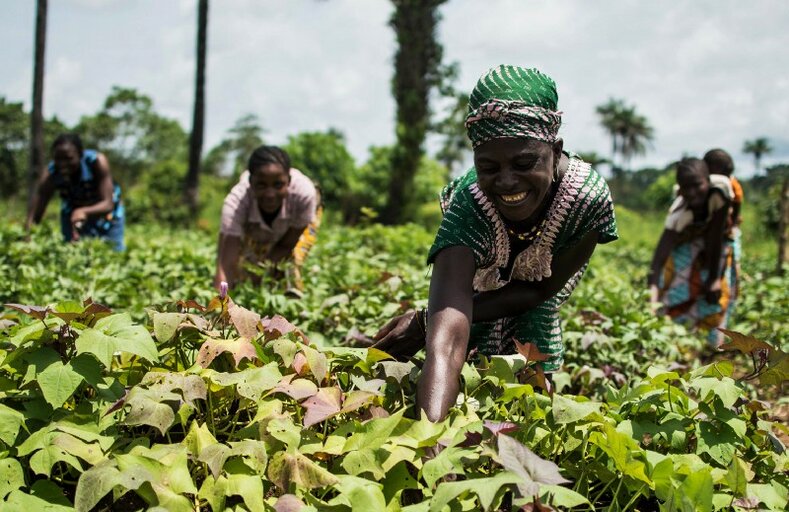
(681, 284)
(510, 101)
(582, 204)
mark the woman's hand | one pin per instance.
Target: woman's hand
(402, 336)
(78, 218)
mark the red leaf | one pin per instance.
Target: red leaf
(186, 304)
(323, 405)
(240, 348)
(500, 427)
(300, 363)
(288, 503)
(277, 326)
(37, 312)
(742, 342)
(296, 388)
(530, 351)
(246, 321)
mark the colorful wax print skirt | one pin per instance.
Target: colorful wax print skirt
(682, 288)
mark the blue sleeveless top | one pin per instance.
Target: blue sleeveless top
(85, 191)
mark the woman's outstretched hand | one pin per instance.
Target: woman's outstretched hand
(401, 337)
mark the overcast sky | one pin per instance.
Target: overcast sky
(709, 73)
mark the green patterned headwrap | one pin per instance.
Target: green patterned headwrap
(510, 101)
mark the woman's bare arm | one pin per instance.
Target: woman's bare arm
(283, 249)
(448, 330)
(518, 297)
(228, 254)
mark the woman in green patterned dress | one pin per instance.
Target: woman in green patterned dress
(517, 234)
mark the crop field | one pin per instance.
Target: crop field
(126, 383)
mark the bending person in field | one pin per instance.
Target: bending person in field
(517, 234)
(692, 268)
(90, 204)
(720, 162)
(271, 215)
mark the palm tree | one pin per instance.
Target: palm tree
(610, 118)
(758, 148)
(636, 134)
(417, 71)
(37, 112)
(630, 132)
(192, 182)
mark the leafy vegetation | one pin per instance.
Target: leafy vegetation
(181, 406)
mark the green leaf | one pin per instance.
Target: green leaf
(421, 433)
(166, 324)
(146, 408)
(360, 494)
(89, 452)
(11, 421)
(486, 490)
(774, 495)
(286, 349)
(738, 476)
(449, 461)
(566, 410)
(563, 498)
(250, 383)
(58, 382)
(725, 388)
(253, 452)
(286, 468)
(18, 500)
(620, 448)
(214, 492)
(42, 461)
(11, 476)
(248, 486)
(364, 461)
(718, 440)
(317, 363)
(373, 433)
(696, 491)
(94, 484)
(117, 333)
(397, 479)
(283, 429)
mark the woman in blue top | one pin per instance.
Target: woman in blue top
(90, 200)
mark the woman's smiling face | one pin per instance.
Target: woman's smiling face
(516, 174)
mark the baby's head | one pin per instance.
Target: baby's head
(719, 162)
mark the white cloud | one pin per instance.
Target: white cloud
(705, 73)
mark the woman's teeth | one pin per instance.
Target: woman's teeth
(514, 198)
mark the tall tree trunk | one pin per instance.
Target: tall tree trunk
(783, 221)
(37, 154)
(192, 183)
(417, 63)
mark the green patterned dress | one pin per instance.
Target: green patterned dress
(582, 203)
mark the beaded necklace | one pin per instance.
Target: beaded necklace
(529, 235)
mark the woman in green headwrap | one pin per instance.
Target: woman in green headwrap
(517, 234)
